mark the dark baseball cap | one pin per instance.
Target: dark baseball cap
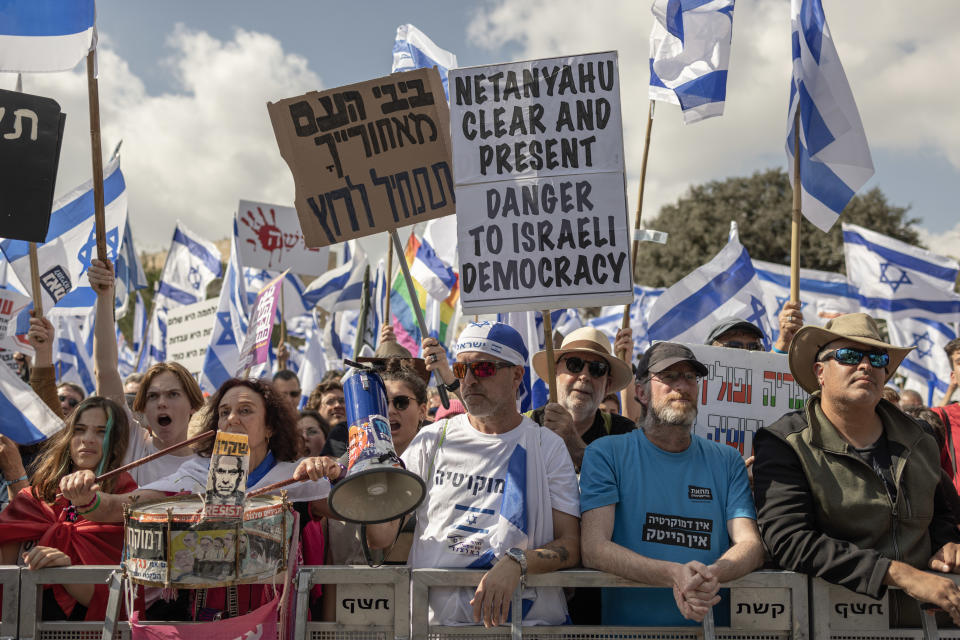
(664, 355)
(729, 324)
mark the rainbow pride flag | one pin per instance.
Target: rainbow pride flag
(440, 314)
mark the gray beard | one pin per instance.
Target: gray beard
(669, 416)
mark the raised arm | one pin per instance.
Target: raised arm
(43, 377)
(109, 382)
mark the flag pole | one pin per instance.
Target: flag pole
(625, 322)
(795, 224)
(548, 346)
(386, 311)
(93, 95)
(35, 281)
(364, 310)
(415, 301)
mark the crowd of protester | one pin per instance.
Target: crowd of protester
(859, 487)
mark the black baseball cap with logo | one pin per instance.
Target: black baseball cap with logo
(663, 355)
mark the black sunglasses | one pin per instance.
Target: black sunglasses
(852, 357)
(736, 344)
(597, 368)
(481, 369)
(401, 402)
(71, 402)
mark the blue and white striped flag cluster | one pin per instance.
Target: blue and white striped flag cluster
(339, 289)
(71, 243)
(534, 391)
(129, 272)
(823, 294)
(690, 54)
(45, 35)
(314, 362)
(73, 349)
(897, 280)
(727, 286)
(223, 353)
(192, 264)
(24, 417)
(414, 50)
(927, 367)
(610, 318)
(834, 157)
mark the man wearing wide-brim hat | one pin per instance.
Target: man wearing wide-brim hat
(847, 488)
(586, 370)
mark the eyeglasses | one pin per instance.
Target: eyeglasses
(481, 369)
(672, 377)
(597, 368)
(736, 344)
(71, 401)
(852, 357)
(400, 402)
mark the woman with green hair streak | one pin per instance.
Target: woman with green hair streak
(39, 530)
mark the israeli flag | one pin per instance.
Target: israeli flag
(45, 35)
(823, 294)
(534, 392)
(898, 281)
(71, 243)
(610, 318)
(24, 417)
(435, 276)
(73, 349)
(223, 352)
(128, 271)
(727, 286)
(126, 357)
(314, 362)
(139, 322)
(332, 345)
(414, 50)
(192, 264)
(340, 288)
(834, 157)
(927, 368)
(690, 54)
(293, 289)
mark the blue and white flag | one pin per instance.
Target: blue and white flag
(24, 417)
(414, 50)
(823, 294)
(223, 353)
(726, 286)
(129, 272)
(897, 280)
(927, 367)
(73, 349)
(834, 157)
(126, 357)
(332, 345)
(339, 289)
(435, 276)
(534, 392)
(610, 318)
(45, 35)
(690, 54)
(293, 306)
(71, 243)
(314, 362)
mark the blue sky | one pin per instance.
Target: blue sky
(184, 83)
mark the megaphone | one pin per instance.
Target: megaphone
(376, 488)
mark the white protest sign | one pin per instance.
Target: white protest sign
(538, 173)
(744, 392)
(269, 237)
(188, 333)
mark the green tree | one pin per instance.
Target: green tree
(761, 204)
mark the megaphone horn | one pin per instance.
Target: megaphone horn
(376, 488)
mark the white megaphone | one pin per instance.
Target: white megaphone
(376, 488)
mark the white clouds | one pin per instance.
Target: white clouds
(194, 153)
(945, 244)
(900, 58)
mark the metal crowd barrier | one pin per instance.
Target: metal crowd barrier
(765, 605)
(10, 581)
(376, 603)
(841, 614)
(372, 603)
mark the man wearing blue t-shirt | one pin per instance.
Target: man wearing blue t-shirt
(664, 507)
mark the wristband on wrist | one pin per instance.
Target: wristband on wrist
(95, 502)
(87, 506)
(775, 350)
(22, 478)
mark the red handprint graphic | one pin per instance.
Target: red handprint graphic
(270, 237)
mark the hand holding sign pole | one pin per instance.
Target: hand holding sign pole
(415, 301)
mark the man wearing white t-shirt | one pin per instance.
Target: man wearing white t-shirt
(501, 492)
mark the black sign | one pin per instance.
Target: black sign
(31, 130)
